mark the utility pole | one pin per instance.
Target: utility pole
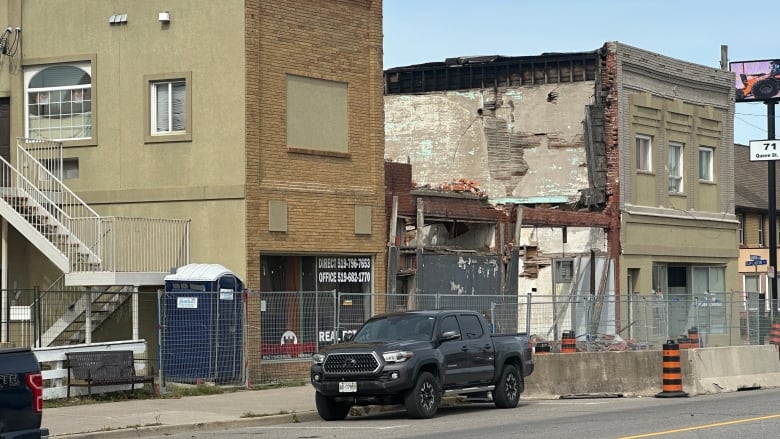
(770, 129)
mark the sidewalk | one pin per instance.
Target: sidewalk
(155, 417)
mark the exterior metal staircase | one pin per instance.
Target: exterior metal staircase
(97, 255)
(47, 212)
(90, 311)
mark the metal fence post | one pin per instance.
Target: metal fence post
(528, 314)
(38, 327)
(160, 342)
(589, 324)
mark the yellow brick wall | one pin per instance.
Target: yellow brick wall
(752, 229)
(337, 40)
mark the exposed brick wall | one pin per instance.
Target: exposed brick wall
(559, 218)
(440, 204)
(398, 182)
(609, 84)
(337, 40)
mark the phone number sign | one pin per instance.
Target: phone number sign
(344, 269)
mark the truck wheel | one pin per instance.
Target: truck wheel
(424, 398)
(508, 389)
(765, 88)
(329, 409)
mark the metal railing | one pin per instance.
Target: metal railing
(126, 244)
(89, 241)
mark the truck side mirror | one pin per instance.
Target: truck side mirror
(449, 335)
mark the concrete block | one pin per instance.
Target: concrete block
(729, 369)
(640, 373)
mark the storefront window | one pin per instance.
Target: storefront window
(310, 301)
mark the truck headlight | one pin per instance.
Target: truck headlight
(397, 356)
(318, 358)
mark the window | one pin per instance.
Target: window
(69, 171)
(741, 230)
(58, 101)
(169, 107)
(168, 112)
(449, 323)
(471, 326)
(709, 285)
(705, 164)
(675, 168)
(761, 230)
(316, 115)
(643, 153)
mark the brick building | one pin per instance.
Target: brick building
(620, 157)
(258, 125)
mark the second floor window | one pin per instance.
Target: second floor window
(705, 164)
(58, 101)
(643, 153)
(675, 168)
(741, 231)
(761, 230)
(168, 107)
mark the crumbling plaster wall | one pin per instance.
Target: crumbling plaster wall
(479, 237)
(550, 245)
(516, 142)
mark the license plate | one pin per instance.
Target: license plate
(347, 387)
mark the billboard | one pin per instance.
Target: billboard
(757, 80)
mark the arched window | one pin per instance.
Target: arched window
(58, 101)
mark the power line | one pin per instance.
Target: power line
(750, 124)
(751, 114)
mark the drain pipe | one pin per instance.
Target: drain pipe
(4, 283)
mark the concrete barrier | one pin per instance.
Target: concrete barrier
(639, 373)
(729, 369)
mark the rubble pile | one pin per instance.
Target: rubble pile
(463, 185)
(600, 343)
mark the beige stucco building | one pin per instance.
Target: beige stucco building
(257, 124)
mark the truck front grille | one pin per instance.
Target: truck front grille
(351, 363)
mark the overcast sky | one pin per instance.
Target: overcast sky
(420, 31)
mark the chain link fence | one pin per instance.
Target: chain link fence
(249, 338)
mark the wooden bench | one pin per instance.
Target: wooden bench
(103, 368)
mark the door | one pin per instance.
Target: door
(481, 355)
(5, 129)
(454, 353)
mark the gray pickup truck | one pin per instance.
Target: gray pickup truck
(21, 395)
(414, 358)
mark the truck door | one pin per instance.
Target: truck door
(455, 353)
(481, 354)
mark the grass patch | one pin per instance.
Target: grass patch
(98, 398)
(280, 385)
(179, 390)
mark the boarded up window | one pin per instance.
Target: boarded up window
(316, 114)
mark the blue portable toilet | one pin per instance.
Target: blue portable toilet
(203, 322)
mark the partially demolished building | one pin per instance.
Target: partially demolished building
(612, 168)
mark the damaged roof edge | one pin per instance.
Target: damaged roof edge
(489, 59)
(555, 199)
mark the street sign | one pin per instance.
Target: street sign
(753, 262)
(764, 150)
(750, 263)
(755, 257)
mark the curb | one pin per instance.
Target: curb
(258, 421)
(161, 430)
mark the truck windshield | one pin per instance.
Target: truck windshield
(396, 328)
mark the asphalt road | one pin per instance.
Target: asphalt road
(749, 414)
